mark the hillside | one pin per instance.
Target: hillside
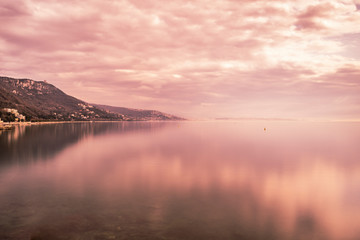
(38, 100)
(139, 114)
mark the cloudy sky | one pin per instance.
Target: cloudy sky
(197, 59)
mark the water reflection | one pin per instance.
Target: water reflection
(189, 181)
(27, 143)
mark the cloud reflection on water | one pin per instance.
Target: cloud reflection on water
(212, 180)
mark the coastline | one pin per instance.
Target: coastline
(49, 122)
(12, 125)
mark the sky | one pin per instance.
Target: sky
(199, 59)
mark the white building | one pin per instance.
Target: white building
(21, 117)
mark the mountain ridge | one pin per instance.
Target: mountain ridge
(139, 114)
(42, 101)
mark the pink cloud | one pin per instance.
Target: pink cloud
(13, 9)
(193, 58)
(313, 16)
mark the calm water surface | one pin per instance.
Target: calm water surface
(181, 180)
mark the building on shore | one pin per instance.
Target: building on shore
(18, 117)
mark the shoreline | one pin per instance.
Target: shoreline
(4, 125)
(50, 122)
(12, 125)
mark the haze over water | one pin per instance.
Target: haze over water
(181, 180)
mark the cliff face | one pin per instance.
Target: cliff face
(38, 100)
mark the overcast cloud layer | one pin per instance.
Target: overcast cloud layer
(198, 59)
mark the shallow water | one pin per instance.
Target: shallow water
(181, 180)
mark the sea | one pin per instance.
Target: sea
(271, 180)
